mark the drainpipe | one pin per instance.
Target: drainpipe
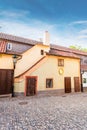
(15, 59)
(82, 72)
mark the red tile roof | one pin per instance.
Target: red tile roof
(2, 46)
(66, 49)
(55, 49)
(18, 39)
(84, 67)
(62, 53)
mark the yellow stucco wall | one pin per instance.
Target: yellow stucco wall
(50, 69)
(29, 58)
(6, 61)
(19, 86)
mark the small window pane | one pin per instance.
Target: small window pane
(60, 62)
(9, 46)
(42, 52)
(49, 83)
(84, 80)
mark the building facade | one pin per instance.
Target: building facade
(36, 67)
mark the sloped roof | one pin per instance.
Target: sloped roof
(66, 49)
(54, 49)
(62, 53)
(84, 67)
(2, 46)
(25, 44)
(18, 39)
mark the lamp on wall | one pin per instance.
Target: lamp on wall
(14, 60)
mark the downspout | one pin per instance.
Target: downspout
(81, 73)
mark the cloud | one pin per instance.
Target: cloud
(84, 31)
(79, 31)
(34, 29)
(82, 37)
(13, 13)
(78, 22)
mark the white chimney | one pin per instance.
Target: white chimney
(46, 38)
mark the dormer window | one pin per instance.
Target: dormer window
(42, 52)
(9, 46)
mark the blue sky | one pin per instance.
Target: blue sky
(66, 20)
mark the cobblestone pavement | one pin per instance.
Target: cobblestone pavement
(65, 112)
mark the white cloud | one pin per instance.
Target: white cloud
(84, 31)
(13, 14)
(82, 37)
(79, 22)
(35, 30)
(25, 30)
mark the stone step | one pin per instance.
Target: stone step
(5, 95)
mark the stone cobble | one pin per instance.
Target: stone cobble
(68, 112)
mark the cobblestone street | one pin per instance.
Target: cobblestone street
(65, 112)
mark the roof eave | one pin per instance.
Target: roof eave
(62, 55)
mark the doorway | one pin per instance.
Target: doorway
(31, 85)
(67, 81)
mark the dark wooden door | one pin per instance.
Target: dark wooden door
(6, 81)
(67, 81)
(76, 84)
(31, 86)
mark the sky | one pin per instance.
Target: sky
(65, 20)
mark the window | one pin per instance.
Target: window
(60, 62)
(42, 52)
(49, 83)
(9, 46)
(84, 80)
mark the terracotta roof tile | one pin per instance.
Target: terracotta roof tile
(18, 39)
(2, 46)
(52, 46)
(63, 53)
(66, 49)
(84, 67)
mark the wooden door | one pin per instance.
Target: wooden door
(67, 81)
(6, 81)
(31, 84)
(76, 84)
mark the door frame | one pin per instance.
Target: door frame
(70, 88)
(26, 78)
(75, 87)
(12, 80)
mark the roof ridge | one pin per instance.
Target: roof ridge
(18, 38)
(67, 49)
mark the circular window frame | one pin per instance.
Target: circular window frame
(61, 71)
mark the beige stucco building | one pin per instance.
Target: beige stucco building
(38, 67)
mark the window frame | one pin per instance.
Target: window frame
(84, 80)
(48, 80)
(42, 52)
(9, 46)
(60, 62)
